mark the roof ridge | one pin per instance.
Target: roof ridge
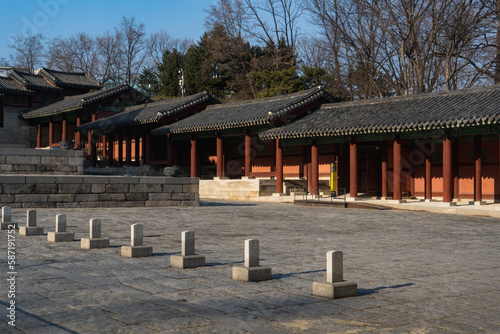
(418, 96)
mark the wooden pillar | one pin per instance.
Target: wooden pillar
(384, 170)
(248, 154)
(119, 139)
(78, 135)
(397, 168)
(90, 137)
(104, 146)
(279, 167)
(64, 136)
(353, 170)
(93, 150)
(220, 156)
(455, 167)
(137, 149)
(39, 135)
(478, 189)
(314, 169)
(51, 133)
(128, 149)
(111, 146)
(148, 149)
(194, 160)
(428, 177)
(447, 171)
(170, 151)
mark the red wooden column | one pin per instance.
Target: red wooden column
(111, 146)
(104, 146)
(128, 149)
(220, 156)
(170, 151)
(137, 149)
(314, 169)
(194, 160)
(279, 167)
(248, 154)
(119, 139)
(51, 133)
(428, 177)
(93, 150)
(384, 170)
(78, 135)
(39, 135)
(353, 157)
(455, 168)
(90, 137)
(147, 154)
(64, 136)
(478, 189)
(447, 171)
(397, 169)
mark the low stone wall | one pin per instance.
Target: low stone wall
(44, 191)
(39, 161)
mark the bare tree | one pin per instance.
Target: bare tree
(28, 52)
(133, 45)
(77, 53)
(111, 59)
(231, 15)
(161, 41)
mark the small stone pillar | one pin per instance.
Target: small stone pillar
(7, 218)
(30, 228)
(187, 259)
(335, 286)
(136, 248)
(95, 240)
(251, 272)
(60, 235)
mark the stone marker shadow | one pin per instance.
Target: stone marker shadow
(366, 292)
(280, 276)
(49, 323)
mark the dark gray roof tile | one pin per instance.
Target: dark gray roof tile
(74, 102)
(148, 113)
(69, 79)
(33, 81)
(398, 114)
(10, 86)
(244, 113)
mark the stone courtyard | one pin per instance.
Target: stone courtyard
(417, 272)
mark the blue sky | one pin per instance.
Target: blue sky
(51, 18)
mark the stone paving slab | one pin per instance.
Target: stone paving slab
(417, 272)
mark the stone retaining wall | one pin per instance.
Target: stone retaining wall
(44, 191)
(40, 161)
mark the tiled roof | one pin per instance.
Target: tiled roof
(148, 113)
(444, 110)
(10, 86)
(73, 102)
(245, 113)
(33, 81)
(69, 79)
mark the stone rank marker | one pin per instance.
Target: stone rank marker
(251, 272)
(188, 258)
(7, 218)
(136, 248)
(60, 235)
(335, 286)
(95, 240)
(30, 228)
